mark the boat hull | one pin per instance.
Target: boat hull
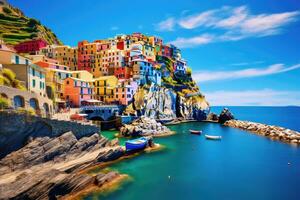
(212, 137)
(195, 132)
(137, 144)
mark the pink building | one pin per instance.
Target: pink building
(125, 90)
(30, 46)
(76, 91)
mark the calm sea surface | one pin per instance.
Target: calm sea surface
(241, 166)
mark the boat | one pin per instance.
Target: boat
(136, 144)
(195, 132)
(213, 137)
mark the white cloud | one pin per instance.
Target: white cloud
(264, 97)
(114, 28)
(166, 25)
(202, 19)
(247, 63)
(206, 76)
(194, 41)
(231, 23)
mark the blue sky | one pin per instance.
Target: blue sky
(240, 53)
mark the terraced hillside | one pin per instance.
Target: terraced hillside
(15, 27)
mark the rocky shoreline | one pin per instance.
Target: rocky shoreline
(51, 168)
(273, 132)
(145, 126)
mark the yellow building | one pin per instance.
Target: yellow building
(82, 74)
(104, 88)
(66, 55)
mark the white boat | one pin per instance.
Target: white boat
(213, 137)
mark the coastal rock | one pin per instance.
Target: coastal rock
(144, 126)
(165, 104)
(273, 132)
(225, 116)
(101, 179)
(41, 150)
(49, 184)
(110, 155)
(212, 117)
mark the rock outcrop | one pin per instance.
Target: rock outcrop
(159, 103)
(144, 126)
(165, 104)
(212, 117)
(52, 184)
(273, 132)
(44, 149)
(225, 116)
(47, 168)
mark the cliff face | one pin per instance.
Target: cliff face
(15, 27)
(162, 103)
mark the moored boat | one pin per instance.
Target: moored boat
(136, 144)
(195, 132)
(213, 137)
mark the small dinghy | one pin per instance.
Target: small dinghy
(213, 137)
(136, 144)
(195, 132)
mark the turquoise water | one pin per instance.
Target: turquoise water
(241, 166)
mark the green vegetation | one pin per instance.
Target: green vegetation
(7, 10)
(4, 103)
(29, 111)
(8, 78)
(16, 28)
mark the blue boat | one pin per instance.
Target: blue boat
(136, 144)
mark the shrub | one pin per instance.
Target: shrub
(6, 10)
(4, 103)
(29, 111)
(33, 22)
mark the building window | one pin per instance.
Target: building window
(17, 59)
(67, 82)
(33, 83)
(41, 85)
(33, 72)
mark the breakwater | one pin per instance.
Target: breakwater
(273, 132)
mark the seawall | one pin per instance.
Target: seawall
(273, 132)
(17, 129)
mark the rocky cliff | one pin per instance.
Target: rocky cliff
(166, 104)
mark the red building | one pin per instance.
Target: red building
(123, 72)
(166, 51)
(120, 45)
(30, 46)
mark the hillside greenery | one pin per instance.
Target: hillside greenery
(15, 27)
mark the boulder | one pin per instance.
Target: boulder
(225, 115)
(100, 179)
(110, 155)
(212, 117)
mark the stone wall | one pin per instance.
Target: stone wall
(17, 129)
(10, 93)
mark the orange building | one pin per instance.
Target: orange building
(76, 91)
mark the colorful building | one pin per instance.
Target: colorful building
(9, 56)
(123, 72)
(124, 91)
(32, 76)
(76, 91)
(30, 46)
(40, 57)
(104, 88)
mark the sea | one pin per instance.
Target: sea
(241, 166)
